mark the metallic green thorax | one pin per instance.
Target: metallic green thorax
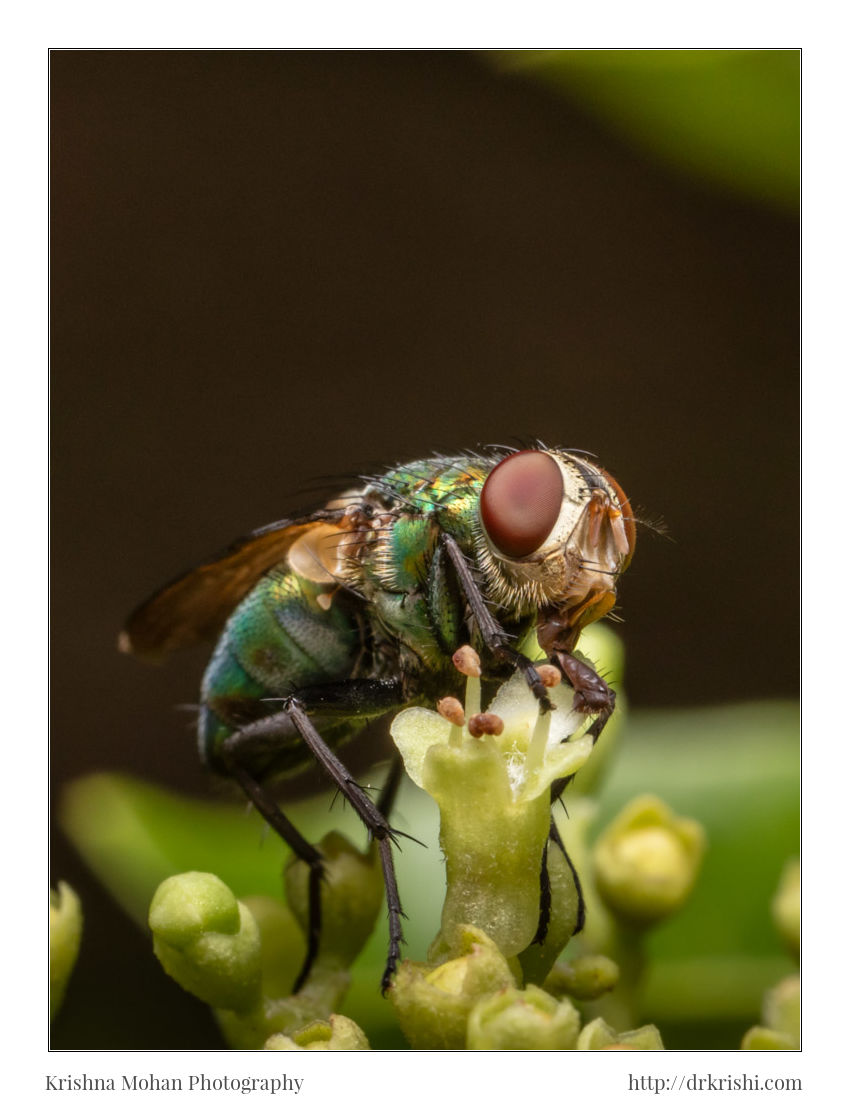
(392, 607)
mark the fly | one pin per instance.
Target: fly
(327, 621)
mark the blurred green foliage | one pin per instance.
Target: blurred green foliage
(728, 116)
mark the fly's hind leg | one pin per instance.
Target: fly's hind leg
(546, 888)
(348, 700)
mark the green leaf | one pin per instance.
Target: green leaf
(728, 116)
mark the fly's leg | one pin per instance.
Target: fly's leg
(371, 816)
(303, 849)
(494, 636)
(545, 886)
(557, 789)
(592, 693)
(347, 700)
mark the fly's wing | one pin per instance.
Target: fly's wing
(195, 606)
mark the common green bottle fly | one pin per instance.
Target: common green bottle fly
(329, 620)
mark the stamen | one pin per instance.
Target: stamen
(467, 661)
(550, 676)
(485, 724)
(452, 710)
(537, 746)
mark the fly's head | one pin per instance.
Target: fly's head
(556, 532)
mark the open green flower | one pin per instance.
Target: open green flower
(433, 1003)
(337, 1034)
(522, 1019)
(490, 777)
(598, 1034)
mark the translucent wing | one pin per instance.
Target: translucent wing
(195, 606)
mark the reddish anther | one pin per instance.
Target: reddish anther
(467, 661)
(452, 710)
(550, 676)
(485, 724)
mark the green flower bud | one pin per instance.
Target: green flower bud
(66, 928)
(352, 894)
(282, 948)
(647, 861)
(206, 940)
(433, 1003)
(760, 1039)
(782, 1007)
(522, 1019)
(585, 978)
(338, 1033)
(282, 944)
(781, 1016)
(599, 1034)
(786, 907)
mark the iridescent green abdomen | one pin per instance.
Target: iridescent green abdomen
(284, 636)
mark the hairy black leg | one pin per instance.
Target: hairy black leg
(546, 889)
(386, 799)
(492, 633)
(592, 693)
(545, 898)
(303, 849)
(555, 837)
(371, 816)
(349, 700)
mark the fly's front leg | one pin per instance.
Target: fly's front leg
(494, 636)
(592, 693)
(348, 700)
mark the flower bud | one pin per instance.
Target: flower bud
(66, 927)
(282, 944)
(352, 892)
(585, 978)
(647, 861)
(786, 907)
(338, 1033)
(206, 940)
(781, 1016)
(433, 1003)
(522, 1019)
(599, 1034)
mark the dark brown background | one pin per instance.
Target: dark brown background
(273, 267)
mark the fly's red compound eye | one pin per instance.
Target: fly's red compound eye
(521, 501)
